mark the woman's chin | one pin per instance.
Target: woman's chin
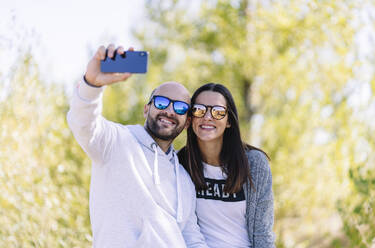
(208, 138)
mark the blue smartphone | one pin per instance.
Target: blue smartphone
(131, 61)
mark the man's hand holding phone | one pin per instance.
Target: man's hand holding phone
(112, 65)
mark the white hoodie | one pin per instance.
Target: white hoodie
(139, 195)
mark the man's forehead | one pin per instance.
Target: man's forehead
(174, 91)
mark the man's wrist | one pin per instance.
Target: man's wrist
(89, 84)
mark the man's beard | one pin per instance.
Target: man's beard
(154, 128)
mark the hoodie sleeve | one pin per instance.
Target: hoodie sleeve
(191, 232)
(94, 133)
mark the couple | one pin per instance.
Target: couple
(140, 195)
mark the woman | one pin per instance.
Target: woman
(233, 179)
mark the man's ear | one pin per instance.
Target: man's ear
(188, 122)
(145, 110)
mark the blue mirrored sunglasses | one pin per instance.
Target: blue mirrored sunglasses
(162, 102)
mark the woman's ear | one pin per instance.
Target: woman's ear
(188, 122)
(228, 124)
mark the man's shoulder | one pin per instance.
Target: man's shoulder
(184, 175)
(119, 127)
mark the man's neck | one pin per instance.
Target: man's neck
(164, 144)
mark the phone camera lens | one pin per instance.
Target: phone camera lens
(142, 54)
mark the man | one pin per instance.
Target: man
(140, 196)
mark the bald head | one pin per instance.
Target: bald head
(172, 90)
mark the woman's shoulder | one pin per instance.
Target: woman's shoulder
(258, 160)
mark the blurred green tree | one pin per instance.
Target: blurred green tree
(44, 175)
(358, 207)
(358, 210)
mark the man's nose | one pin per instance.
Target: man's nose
(169, 109)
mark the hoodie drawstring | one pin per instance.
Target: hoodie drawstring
(179, 200)
(157, 179)
(156, 165)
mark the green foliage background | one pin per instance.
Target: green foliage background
(44, 174)
(293, 69)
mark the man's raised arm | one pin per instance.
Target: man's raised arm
(91, 130)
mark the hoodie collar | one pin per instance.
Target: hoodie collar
(144, 138)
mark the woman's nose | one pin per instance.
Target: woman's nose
(207, 115)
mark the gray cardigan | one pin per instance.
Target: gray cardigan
(259, 202)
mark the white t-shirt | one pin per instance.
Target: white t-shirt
(221, 216)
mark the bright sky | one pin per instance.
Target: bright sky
(63, 32)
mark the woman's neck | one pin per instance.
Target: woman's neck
(210, 151)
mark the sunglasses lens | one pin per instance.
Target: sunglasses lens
(198, 110)
(161, 102)
(180, 107)
(218, 112)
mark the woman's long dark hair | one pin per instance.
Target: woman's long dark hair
(233, 157)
